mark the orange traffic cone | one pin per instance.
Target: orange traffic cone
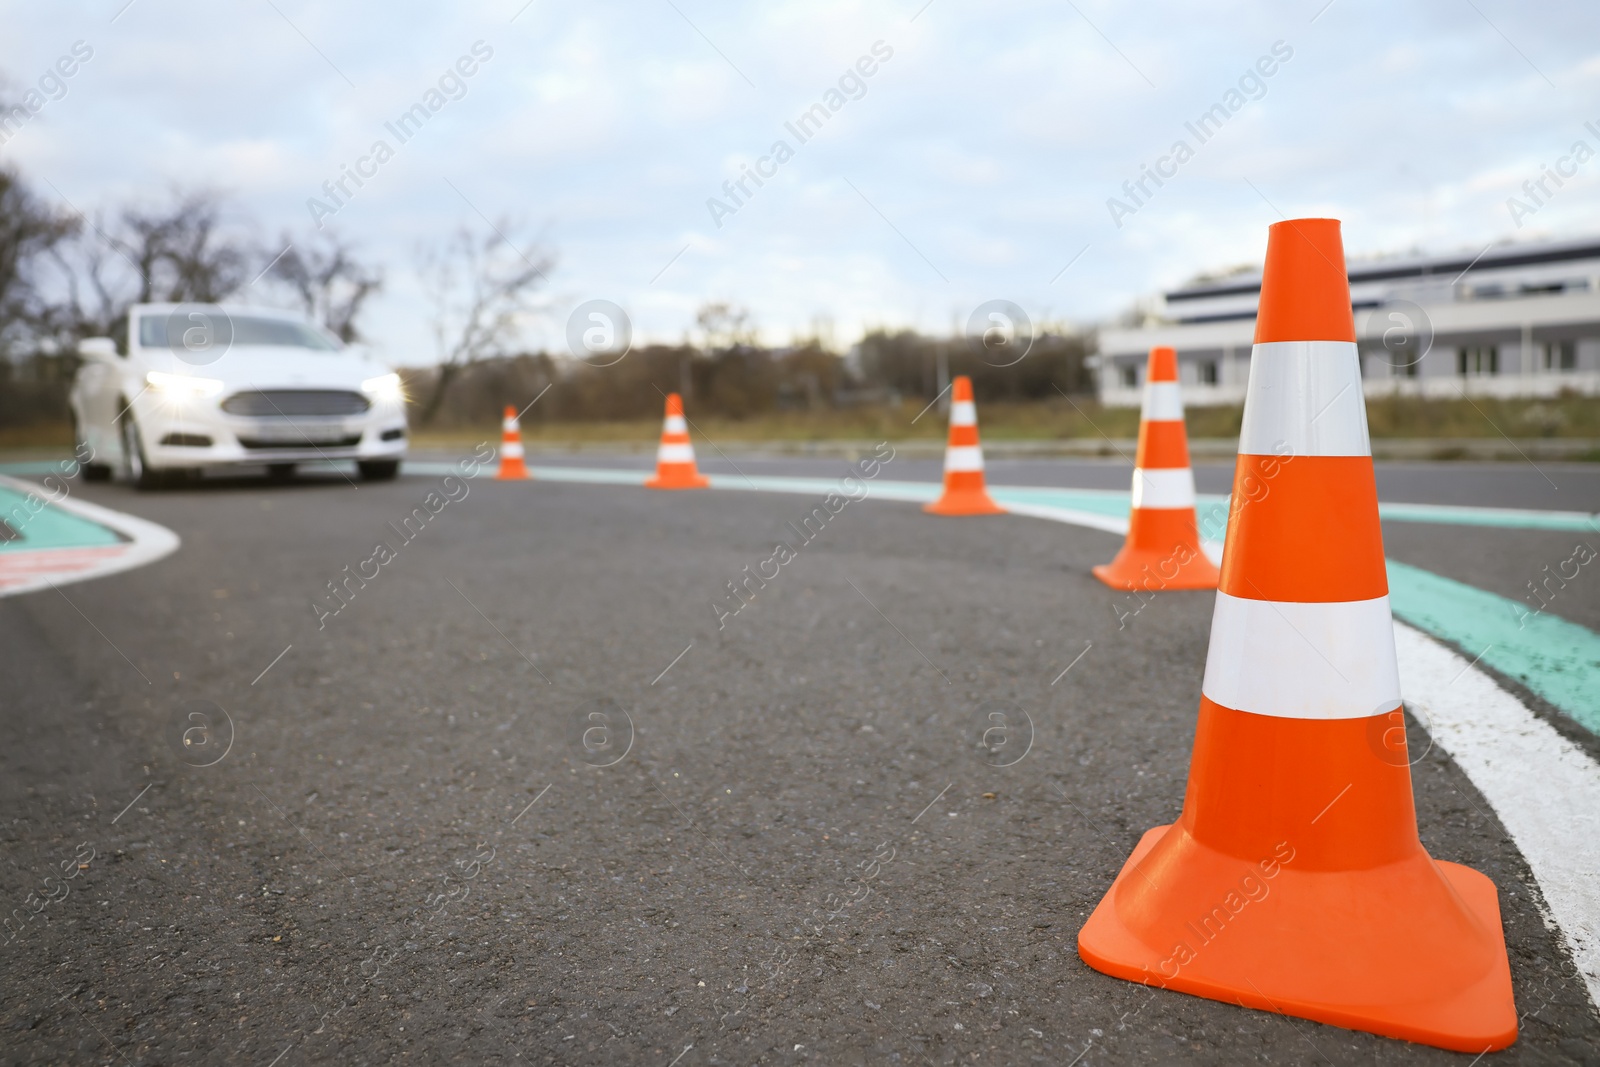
(1294, 881)
(511, 465)
(964, 491)
(1163, 546)
(675, 467)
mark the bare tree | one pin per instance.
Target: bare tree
(30, 230)
(331, 283)
(724, 325)
(181, 252)
(99, 284)
(481, 285)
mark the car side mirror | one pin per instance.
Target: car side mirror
(103, 349)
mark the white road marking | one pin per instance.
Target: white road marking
(1544, 789)
(146, 543)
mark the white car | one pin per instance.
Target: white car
(194, 386)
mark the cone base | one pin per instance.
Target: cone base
(1143, 568)
(1313, 950)
(513, 471)
(1128, 571)
(968, 502)
(670, 479)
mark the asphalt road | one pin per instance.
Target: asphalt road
(407, 852)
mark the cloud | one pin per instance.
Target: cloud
(989, 143)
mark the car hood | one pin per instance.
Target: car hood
(277, 367)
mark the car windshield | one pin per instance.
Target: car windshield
(203, 327)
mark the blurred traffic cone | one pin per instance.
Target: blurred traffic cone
(1163, 546)
(511, 465)
(1294, 881)
(964, 491)
(675, 467)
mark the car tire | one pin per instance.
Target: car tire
(378, 470)
(135, 471)
(280, 472)
(91, 472)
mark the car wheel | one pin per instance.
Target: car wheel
(378, 470)
(135, 471)
(280, 472)
(92, 472)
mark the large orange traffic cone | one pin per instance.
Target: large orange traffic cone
(675, 467)
(1294, 881)
(1163, 546)
(511, 465)
(964, 490)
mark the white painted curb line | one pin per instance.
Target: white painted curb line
(1545, 790)
(147, 541)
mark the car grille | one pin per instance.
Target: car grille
(265, 403)
(308, 443)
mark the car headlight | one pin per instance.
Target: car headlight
(383, 387)
(182, 386)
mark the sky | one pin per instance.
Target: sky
(978, 160)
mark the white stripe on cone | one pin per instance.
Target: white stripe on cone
(1162, 402)
(1303, 661)
(963, 413)
(1163, 488)
(675, 454)
(676, 424)
(1305, 395)
(509, 425)
(511, 450)
(963, 458)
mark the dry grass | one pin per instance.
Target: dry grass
(1388, 418)
(37, 435)
(1062, 419)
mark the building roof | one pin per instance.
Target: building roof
(1419, 267)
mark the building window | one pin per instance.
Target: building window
(1561, 355)
(1478, 359)
(1208, 372)
(1130, 375)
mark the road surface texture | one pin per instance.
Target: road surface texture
(429, 833)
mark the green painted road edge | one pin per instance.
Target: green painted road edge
(1556, 659)
(43, 525)
(70, 523)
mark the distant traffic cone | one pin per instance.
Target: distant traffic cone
(675, 467)
(1163, 546)
(511, 465)
(964, 490)
(1294, 880)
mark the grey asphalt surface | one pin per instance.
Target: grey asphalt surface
(408, 854)
(1500, 560)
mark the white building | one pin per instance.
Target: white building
(1519, 320)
